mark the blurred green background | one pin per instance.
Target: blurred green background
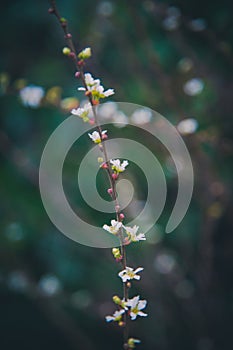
(175, 57)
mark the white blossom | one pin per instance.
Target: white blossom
(95, 136)
(128, 273)
(118, 166)
(132, 234)
(90, 81)
(82, 112)
(114, 228)
(116, 316)
(136, 305)
(93, 85)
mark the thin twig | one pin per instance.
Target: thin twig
(79, 67)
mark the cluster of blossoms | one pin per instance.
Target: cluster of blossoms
(131, 232)
(132, 307)
(92, 88)
(127, 308)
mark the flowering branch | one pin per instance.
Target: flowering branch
(94, 91)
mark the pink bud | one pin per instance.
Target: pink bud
(119, 259)
(121, 216)
(77, 75)
(110, 191)
(68, 36)
(95, 102)
(50, 10)
(104, 136)
(88, 93)
(117, 208)
(72, 54)
(91, 121)
(126, 241)
(114, 176)
(104, 166)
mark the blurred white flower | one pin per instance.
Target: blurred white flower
(31, 95)
(49, 285)
(107, 110)
(105, 8)
(141, 116)
(172, 21)
(120, 119)
(187, 126)
(193, 86)
(198, 25)
(164, 263)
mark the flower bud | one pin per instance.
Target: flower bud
(63, 22)
(128, 285)
(66, 51)
(117, 208)
(131, 343)
(121, 324)
(95, 102)
(77, 75)
(50, 10)
(84, 54)
(119, 259)
(116, 253)
(116, 300)
(121, 216)
(71, 54)
(104, 166)
(87, 93)
(110, 191)
(91, 121)
(114, 176)
(126, 241)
